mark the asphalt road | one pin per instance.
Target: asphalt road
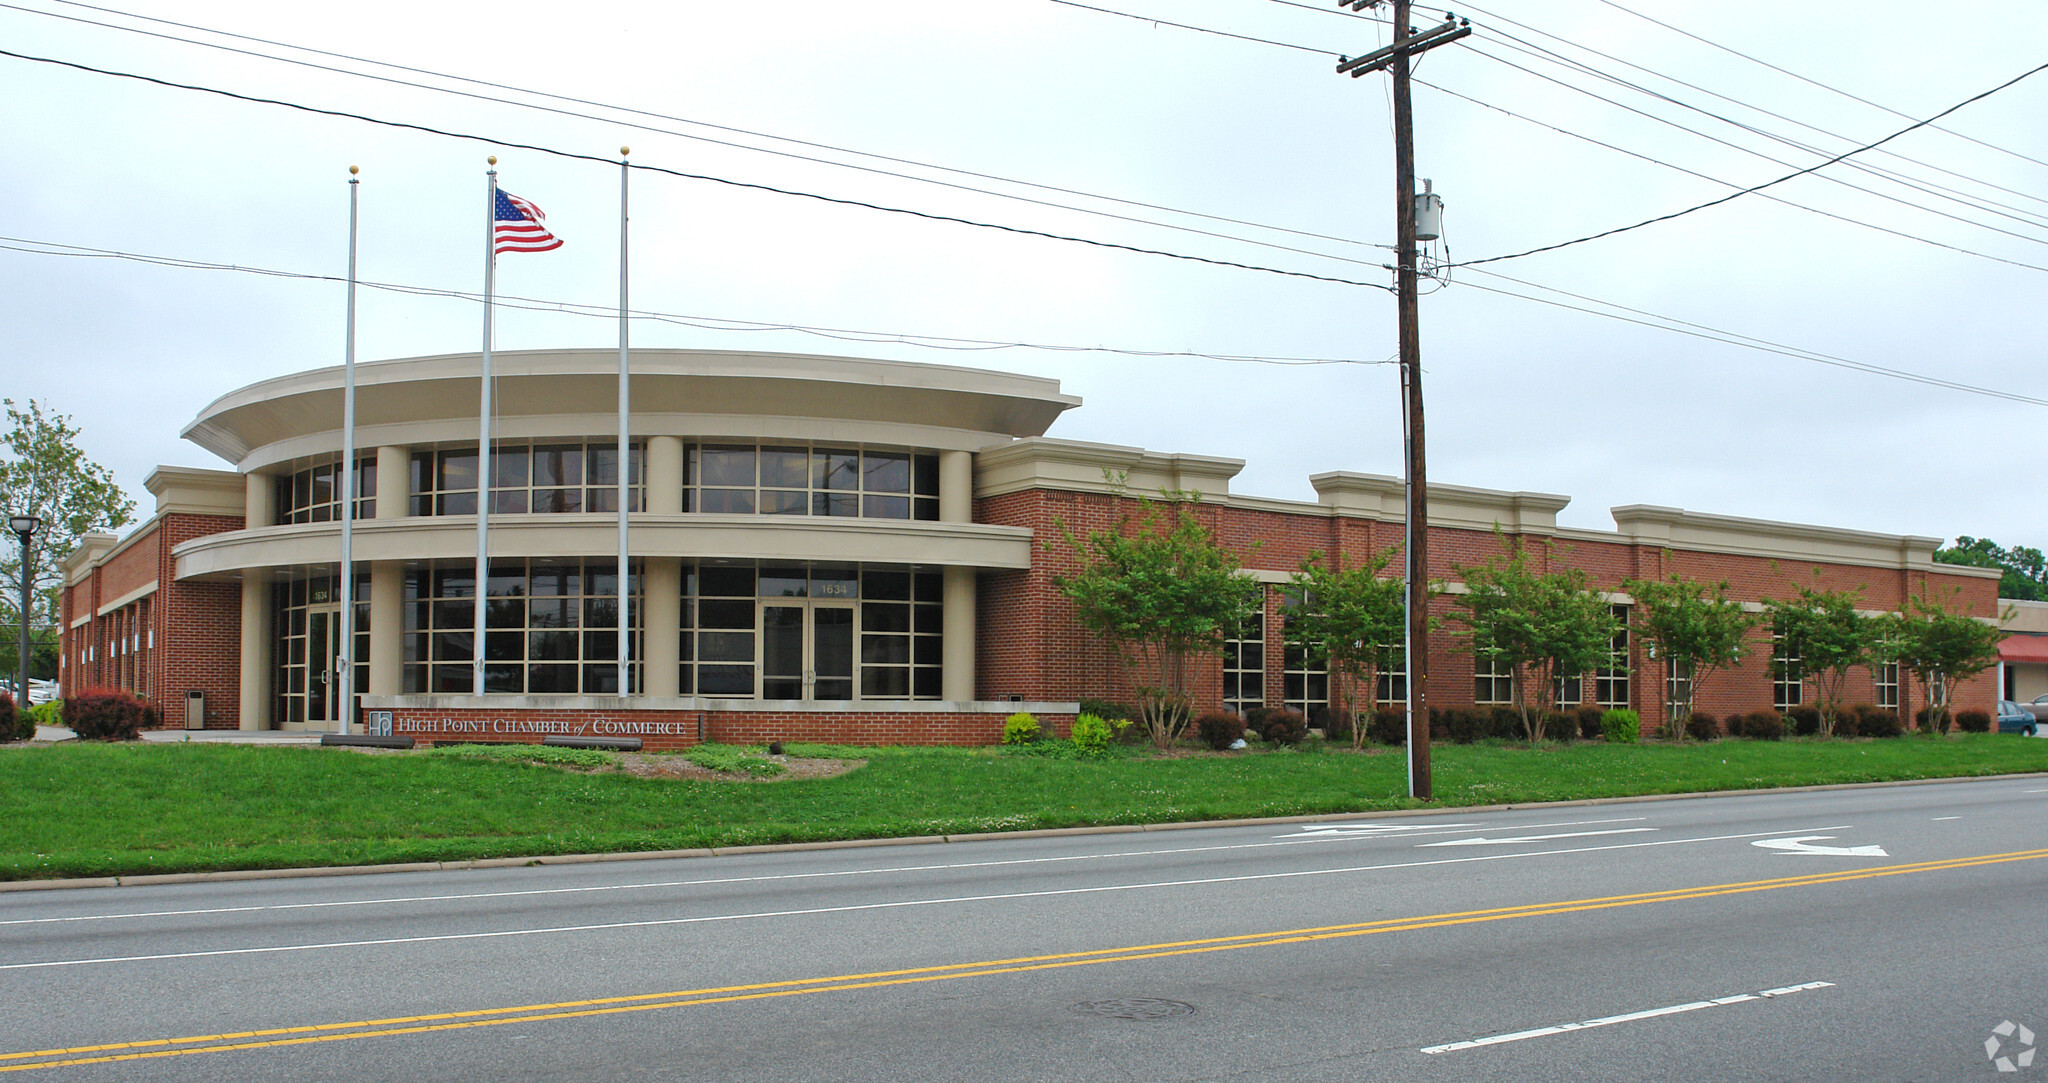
(1872, 934)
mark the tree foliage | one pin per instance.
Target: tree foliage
(1829, 636)
(1940, 648)
(1355, 620)
(1163, 593)
(44, 473)
(1544, 625)
(2024, 570)
(1695, 628)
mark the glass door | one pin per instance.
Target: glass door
(323, 676)
(806, 651)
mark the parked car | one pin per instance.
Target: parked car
(2013, 718)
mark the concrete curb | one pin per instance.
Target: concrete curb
(926, 840)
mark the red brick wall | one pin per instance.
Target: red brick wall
(1031, 643)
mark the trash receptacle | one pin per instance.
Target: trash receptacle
(195, 710)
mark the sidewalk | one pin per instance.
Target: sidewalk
(238, 737)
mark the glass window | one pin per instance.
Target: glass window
(1788, 676)
(1492, 680)
(775, 479)
(534, 646)
(1610, 682)
(1244, 666)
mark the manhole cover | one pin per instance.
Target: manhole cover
(1134, 1008)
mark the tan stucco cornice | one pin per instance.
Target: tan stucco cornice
(78, 564)
(693, 536)
(1378, 496)
(1075, 466)
(1691, 531)
(573, 394)
(188, 490)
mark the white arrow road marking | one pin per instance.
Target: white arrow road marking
(1800, 845)
(1535, 838)
(1608, 1021)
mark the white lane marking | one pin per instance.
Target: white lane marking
(1938, 819)
(1281, 840)
(1803, 844)
(1534, 838)
(1409, 831)
(1630, 1017)
(855, 908)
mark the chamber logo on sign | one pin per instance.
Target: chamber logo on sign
(2010, 1047)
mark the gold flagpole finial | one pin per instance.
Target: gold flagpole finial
(353, 170)
(493, 159)
(623, 151)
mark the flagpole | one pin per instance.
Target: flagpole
(483, 445)
(625, 445)
(346, 700)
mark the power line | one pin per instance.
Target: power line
(610, 312)
(1198, 29)
(1749, 342)
(1731, 184)
(1767, 184)
(1776, 161)
(703, 124)
(1815, 82)
(575, 156)
(1506, 37)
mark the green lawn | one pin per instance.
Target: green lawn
(83, 809)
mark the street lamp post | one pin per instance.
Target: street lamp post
(24, 527)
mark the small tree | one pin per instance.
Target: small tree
(1941, 649)
(1696, 629)
(43, 473)
(1163, 595)
(1543, 625)
(1830, 636)
(1356, 621)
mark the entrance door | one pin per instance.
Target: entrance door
(806, 651)
(323, 671)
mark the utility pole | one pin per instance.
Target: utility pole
(1394, 60)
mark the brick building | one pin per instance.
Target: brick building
(819, 548)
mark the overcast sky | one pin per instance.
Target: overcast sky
(1941, 276)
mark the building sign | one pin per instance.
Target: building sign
(546, 727)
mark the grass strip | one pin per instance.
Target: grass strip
(83, 809)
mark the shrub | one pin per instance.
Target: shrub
(1093, 734)
(1459, 723)
(1219, 729)
(1109, 711)
(1503, 722)
(1701, 726)
(1284, 727)
(1878, 722)
(1590, 722)
(1560, 727)
(47, 713)
(1973, 721)
(1334, 722)
(1621, 726)
(1389, 726)
(1847, 720)
(1805, 721)
(15, 725)
(108, 714)
(1020, 729)
(1757, 726)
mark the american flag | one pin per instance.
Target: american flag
(519, 227)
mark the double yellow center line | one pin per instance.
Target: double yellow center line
(576, 1009)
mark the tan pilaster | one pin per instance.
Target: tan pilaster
(387, 619)
(664, 474)
(957, 679)
(260, 503)
(661, 636)
(394, 483)
(956, 486)
(257, 646)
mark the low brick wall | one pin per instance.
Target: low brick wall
(678, 724)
